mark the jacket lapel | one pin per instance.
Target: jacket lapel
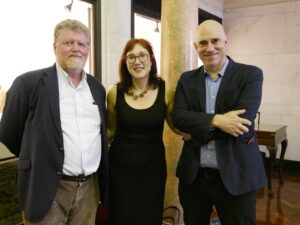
(200, 82)
(51, 84)
(225, 81)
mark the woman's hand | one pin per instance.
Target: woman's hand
(186, 136)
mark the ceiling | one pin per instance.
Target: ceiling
(230, 4)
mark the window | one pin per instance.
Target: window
(27, 35)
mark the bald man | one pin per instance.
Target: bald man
(215, 106)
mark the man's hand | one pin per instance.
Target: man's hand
(231, 123)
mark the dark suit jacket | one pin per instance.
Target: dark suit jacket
(30, 127)
(240, 163)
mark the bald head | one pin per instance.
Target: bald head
(210, 27)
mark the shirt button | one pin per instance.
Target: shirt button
(58, 173)
(61, 148)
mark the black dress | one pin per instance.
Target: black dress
(137, 163)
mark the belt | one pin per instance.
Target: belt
(209, 170)
(79, 178)
(210, 173)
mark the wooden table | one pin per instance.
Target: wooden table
(270, 136)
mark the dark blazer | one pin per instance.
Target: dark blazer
(239, 159)
(30, 127)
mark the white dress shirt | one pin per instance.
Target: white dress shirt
(80, 122)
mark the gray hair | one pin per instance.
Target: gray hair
(73, 25)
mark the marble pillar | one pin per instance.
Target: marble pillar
(179, 21)
(2, 99)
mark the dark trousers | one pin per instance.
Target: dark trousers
(208, 190)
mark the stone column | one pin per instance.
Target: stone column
(179, 21)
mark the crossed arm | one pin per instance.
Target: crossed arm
(231, 123)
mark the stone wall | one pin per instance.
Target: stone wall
(268, 36)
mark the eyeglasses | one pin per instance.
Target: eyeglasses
(142, 57)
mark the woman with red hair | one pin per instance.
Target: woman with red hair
(137, 108)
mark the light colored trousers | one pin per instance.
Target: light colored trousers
(75, 203)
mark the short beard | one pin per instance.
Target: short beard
(75, 64)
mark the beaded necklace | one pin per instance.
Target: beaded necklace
(136, 96)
